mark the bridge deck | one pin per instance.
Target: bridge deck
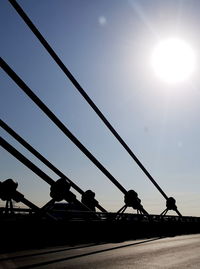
(167, 252)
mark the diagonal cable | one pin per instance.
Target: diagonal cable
(82, 92)
(58, 123)
(32, 166)
(43, 159)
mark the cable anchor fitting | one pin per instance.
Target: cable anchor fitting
(60, 190)
(88, 199)
(131, 200)
(170, 205)
(8, 193)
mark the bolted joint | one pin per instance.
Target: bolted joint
(131, 199)
(171, 204)
(8, 189)
(88, 199)
(60, 190)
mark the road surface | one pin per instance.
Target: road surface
(171, 252)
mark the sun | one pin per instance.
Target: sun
(173, 60)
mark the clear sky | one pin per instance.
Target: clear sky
(107, 45)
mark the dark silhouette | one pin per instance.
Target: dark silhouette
(60, 184)
(44, 160)
(170, 204)
(131, 200)
(60, 125)
(88, 200)
(79, 88)
(8, 193)
(59, 191)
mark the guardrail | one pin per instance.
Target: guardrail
(75, 215)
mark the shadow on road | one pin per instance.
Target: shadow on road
(89, 253)
(47, 252)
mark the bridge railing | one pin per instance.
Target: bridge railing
(75, 215)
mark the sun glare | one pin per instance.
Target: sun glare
(173, 60)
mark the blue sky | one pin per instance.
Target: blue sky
(107, 46)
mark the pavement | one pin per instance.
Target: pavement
(170, 252)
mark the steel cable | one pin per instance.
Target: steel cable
(58, 123)
(82, 92)
(43, 159)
